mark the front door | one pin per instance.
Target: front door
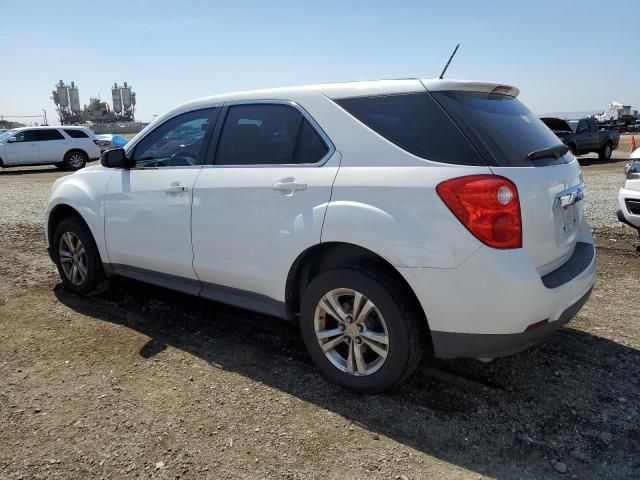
(148, 208)
(262, 202)
(22, 149)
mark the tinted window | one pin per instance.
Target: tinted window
(76, 133)
(500, 125)
(583, 126)
(268, 134)
(45, 135)
(177, 142)
(310, 148)
(415, 123)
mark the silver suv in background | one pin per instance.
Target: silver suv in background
(69, 148)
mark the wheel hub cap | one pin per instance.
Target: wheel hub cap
(351, 332)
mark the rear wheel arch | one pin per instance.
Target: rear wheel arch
(327, 256)
(76, 149)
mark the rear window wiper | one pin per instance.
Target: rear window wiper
(556, 151)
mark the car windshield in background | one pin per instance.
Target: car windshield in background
(573, 124)
(500, 124)
(7, 134)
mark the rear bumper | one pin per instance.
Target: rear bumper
(484, 307)
(475, 345)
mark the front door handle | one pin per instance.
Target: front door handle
(289, 185)
(176, 187)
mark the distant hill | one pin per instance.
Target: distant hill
(570, 115)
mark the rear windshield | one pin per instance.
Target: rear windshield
(501, 126)
(416, 123)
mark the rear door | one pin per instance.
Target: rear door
(263, 199)
(148, 207)
(53, 145)
(513, 140)
(22, 149)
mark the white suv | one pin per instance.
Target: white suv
(385, 217)
(69, 148)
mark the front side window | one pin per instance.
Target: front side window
(177, 142)
(24, 136)
(582, 126)
(47, 135)
(268, 134)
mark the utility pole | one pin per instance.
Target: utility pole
(45, 116)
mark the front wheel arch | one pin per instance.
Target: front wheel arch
(58, 214)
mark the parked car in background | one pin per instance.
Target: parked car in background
(386, 218)
(2, 130)
(108, 141)
(582, 136)
(69, 148)
(629, 195)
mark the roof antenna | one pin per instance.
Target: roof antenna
(447, 65)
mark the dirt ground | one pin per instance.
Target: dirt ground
(141, 382)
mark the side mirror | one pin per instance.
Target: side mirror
(12, 140)
(115, 158)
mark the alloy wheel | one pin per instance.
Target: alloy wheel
(351, 332)
(73, 258)
(76, 160)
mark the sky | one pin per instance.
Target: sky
(563, 55)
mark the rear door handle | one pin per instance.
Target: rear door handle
(176, 187)
(289, 185)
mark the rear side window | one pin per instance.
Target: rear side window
(415, 123)
(76, 133)
(502, 126)
(45, 135)
(268, 134)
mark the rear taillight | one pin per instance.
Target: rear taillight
(488, 206)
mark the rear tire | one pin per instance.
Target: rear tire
(606, 151)
(76, 255)
(74, 160)
(386, 336)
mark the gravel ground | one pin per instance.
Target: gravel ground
(140, 382)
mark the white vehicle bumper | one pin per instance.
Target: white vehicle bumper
(626, 199)
(497, 304)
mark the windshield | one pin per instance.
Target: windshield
(573, 124)
(7, 134)
(499, 124)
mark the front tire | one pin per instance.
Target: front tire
(76, 255)
(74, 160)
(360, 330)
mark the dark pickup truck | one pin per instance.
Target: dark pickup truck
(583, 136)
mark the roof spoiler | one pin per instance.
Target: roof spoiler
(435, 85)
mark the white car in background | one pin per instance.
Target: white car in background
(107, 141)
(385, 217)
(629, 195)
(69, 148)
